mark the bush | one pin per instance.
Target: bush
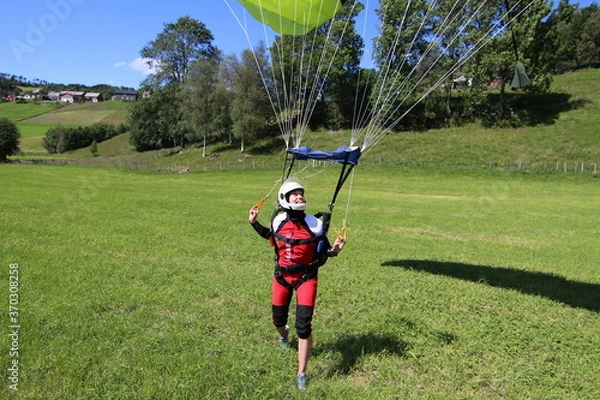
(60, 139)
(9, 138)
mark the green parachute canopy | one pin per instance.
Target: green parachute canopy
(293, 17)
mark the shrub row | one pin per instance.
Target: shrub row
(60, 139)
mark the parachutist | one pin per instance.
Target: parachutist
(301, 247)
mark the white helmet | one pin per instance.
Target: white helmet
(283, 197)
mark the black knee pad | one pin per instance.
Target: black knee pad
(304, 316)
(280, 315)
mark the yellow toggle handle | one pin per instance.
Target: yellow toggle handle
(261, 202)
(342, 232)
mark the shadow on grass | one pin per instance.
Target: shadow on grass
(553, 287)
(353, 347)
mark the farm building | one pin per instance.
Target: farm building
(125, 95)
(93, 97)
(70, 96)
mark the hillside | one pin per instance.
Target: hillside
(559, 127)
(35, 118)
(110, 112)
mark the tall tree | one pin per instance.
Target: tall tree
(156, 119)
(563, 39)
(223, 97)
(512, 27)
(405, 57)
(588, 48)
(176, 47)
(199, 96)
(251, 111)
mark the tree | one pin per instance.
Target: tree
(199, 96)
(157, 121)
(401, 54)
(94, 148)
(514, 42)
(154, 119)
(340, 88)
(251, 110)
(176, 47)
(9, 139)
(570, 39)
(563, 38)
(588, 48)
(223, 97)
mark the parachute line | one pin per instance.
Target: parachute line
(394, 87)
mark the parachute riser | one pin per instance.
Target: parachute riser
(344, 173)
(287, 166)
(347, 168)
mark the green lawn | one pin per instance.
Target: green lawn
(19, 111)
(34, 119)
(79, 114)
(139, 285)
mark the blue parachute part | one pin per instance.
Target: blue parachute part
(344, 154)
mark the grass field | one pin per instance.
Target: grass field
(80, 114)
(134, 285)
(20, 111)
(35, 118)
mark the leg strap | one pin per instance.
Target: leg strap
(311, 273)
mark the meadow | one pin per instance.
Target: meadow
(34, 119)
(140, 285)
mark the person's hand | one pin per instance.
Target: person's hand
(338, 245)
(253, 214)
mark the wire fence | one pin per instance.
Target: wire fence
(248, 163)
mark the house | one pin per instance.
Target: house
(94, 97)
(124, 95)
(53, 96)
(70, 96)
(65, 97)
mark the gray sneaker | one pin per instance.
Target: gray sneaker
(283, 340)
(302, 380)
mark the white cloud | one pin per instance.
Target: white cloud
(146, 66)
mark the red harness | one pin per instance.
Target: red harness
(296, 245)
(298, 250)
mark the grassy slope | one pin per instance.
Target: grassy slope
(80, 114)
(566, 133)
(139, 285)
(18, 112)
(34, 119)
(564, 130)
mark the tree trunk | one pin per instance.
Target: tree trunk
(501, 100)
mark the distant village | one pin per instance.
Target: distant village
(69, 96)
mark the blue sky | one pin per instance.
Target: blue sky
(99, 41)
